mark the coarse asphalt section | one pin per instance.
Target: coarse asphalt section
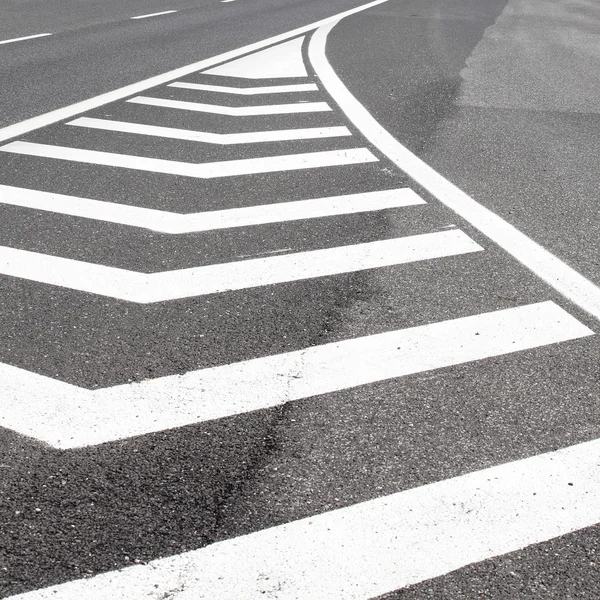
(81, 512)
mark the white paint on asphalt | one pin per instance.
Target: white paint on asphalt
(176, 223)
(234, 111)
(369, 549)
(145, 288)
(247, 91)
(228, 168)
(283, 60)
(224, 139)
(158, 14)
(556, 273)
(66, 416)
(61, 114)
(27, 37)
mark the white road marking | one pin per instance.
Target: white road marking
(556, 273)
(234, 111)
(224, 139)
(177, 223)
(61, 114)
(27, 37)
(375, 547)
(229, 168)
(248, 91)
(145, 288)
(283, 60)
(66, 416)
(158, 14)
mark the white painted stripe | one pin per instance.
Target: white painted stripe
(158, 14)
(67, 112)
(213, 279)
(234, 111)
(229, 168)
(283, 60)
(556, 273)
(27, 37)
(223, 139)
(248, 91)
(176, 223)
(375, 547)
(66, 416)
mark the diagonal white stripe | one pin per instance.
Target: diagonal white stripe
(230, 168)
(213, 279)
(246, 91)
(175, 223)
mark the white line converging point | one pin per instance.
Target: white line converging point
(27, 37)
(165, 12)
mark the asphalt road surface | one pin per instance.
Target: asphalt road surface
(299, 299)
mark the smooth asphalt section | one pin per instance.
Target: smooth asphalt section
(94, 508)
(89, 58)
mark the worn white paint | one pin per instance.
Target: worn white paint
(246, 91)
(66, 416)
(145, 288)
(224, 139)
(234, 111)
(177, 223)
(556, 273)
(283, 60)
(229, 168)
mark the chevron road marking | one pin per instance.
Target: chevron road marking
(223, 139)
(247, 91)
(177, 223)
(66, 416)
(230, 168)
(146, 288)
(234, 111)
(369, 549)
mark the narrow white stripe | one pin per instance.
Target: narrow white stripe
(165, 12)
(223, 139)
(28, 37)
(175, 223)
(546, 266)
(66, 416)
(230, 168)
(61, 114)
(248, 91)
(234, 111)
(213, 279)
(375, 547)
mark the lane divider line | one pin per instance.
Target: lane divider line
(223, 139)
(67, 112)
(177, 223)
(228, 168)
(146, 288)
(247, 91)
(234, 111)
(66, 416)
(553, 271)
(27, 37)
(158, 14)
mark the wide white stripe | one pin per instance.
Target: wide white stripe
(556, 273)
(61, 114)
(234, 111)
(175, 223)
(248, 91)
(378, 546)
(66, 416)
(158, 14)
(283, 60)
(223, 139)
(213, 279)
(27, 37)
(230, 168)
